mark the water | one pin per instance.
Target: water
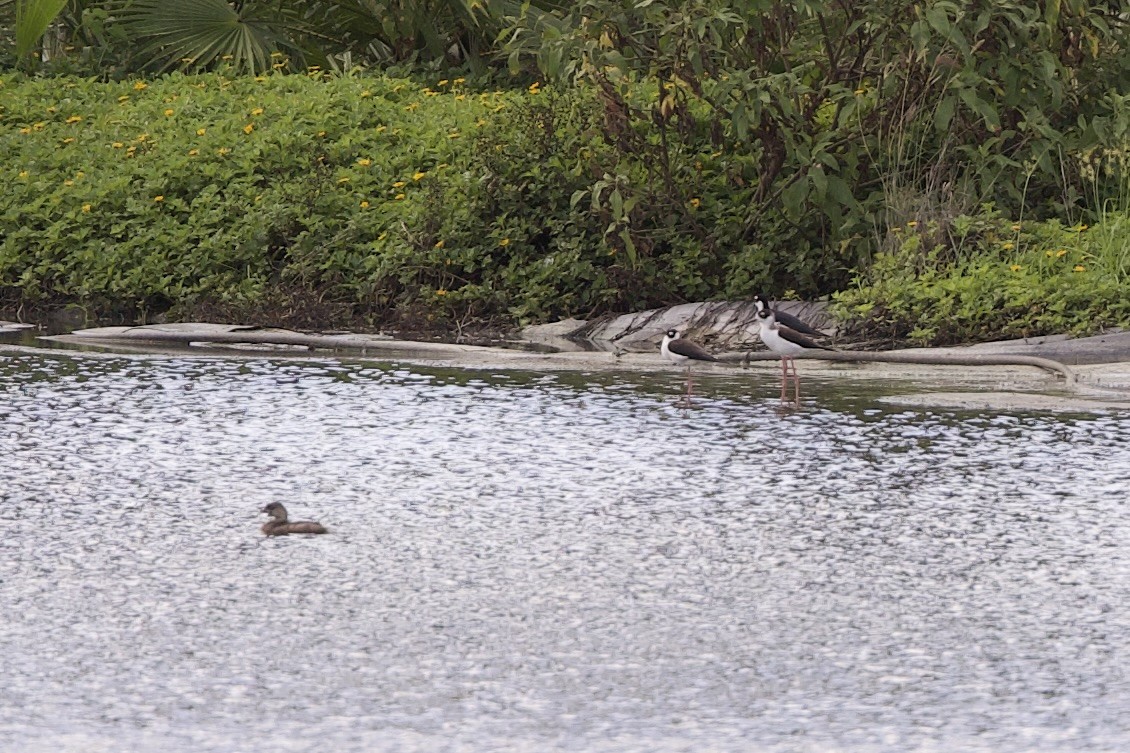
(525, 562)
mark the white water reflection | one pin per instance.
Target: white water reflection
(521, 562)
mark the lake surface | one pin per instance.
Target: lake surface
(530, 562)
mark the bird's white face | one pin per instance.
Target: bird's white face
(765, 318)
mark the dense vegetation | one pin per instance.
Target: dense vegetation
(933, 164)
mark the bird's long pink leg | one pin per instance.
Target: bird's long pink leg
(784, 376)
(796, 382)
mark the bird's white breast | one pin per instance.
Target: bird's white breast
(773, 340)
(666, 352)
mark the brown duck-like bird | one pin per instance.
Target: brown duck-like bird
(278, 525)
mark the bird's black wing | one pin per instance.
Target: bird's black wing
(797, 338)
(690, 350)
(788, 320)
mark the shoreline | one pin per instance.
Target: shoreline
(978, 383)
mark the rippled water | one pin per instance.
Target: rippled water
(524, 562)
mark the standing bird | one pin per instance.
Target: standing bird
(786, 343)
(278, 525)
(787, 319)
(678, 351)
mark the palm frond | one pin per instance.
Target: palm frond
(195, 34)
(32, 19)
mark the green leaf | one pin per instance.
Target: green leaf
(943, 115)
(32, 19)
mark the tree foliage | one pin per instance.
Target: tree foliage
(839, 119)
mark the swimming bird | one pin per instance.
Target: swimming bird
(787, 343)
(678, 351)
(787, 319)
(279, 526)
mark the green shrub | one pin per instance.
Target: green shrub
(1008, 280)
(384, 199)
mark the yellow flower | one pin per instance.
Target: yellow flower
(222, 151)
(169, 112)
(1061, 253)
(1015, 267)
(278, 66)
(364, 205)
(143, 137)
(38, 126)
(248, 128)
(398, 197)
(117, 145)
(23, 173)
(366, 93)
(860, 92)
(430, 93)
(25, 131)
(441, 291)
(695, 203)
(1048, 254)
(453, 135)
(1016, 228)
(131, 150)
(52, 108)
(912, 223)
(439, 244)
(74, 119)
(1079, 228)
(411, 106)
(201, 131)
(443, 82)
(343, 180)
(314, 68)
(460, 97)
(504, 242)
(68, 182)
(68, 141)
(364, 162)
(80, 174)
(1079, 268)
(321, 134)
(124, 98)
(459, 80)
(1007, 245)
(140, 86)
(86, 208)
(399, 184)
(480, 123)
(276, 54)
(257, 111)
(158, 198)
(419, 176)
(193, 152)
(381, 129)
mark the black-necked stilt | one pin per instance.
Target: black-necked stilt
(786, 343)
(786, 319)
(678, 351)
